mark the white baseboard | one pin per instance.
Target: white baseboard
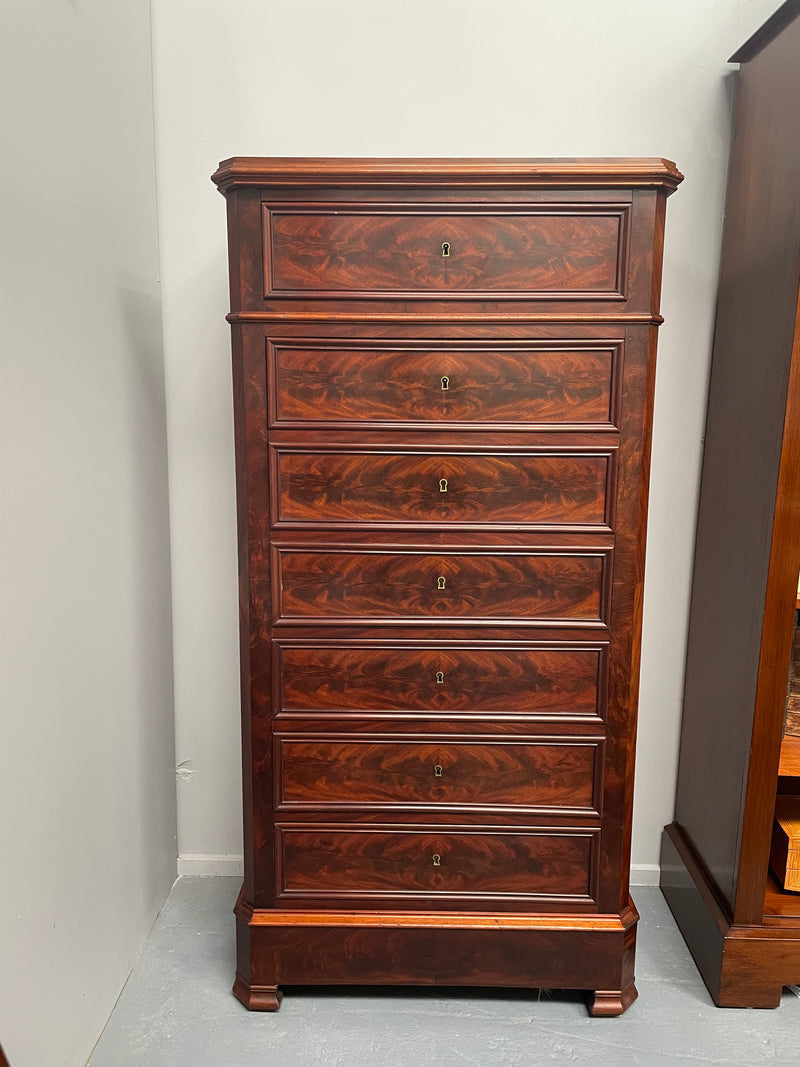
(210, 866)
(645, 873)
(233, 867)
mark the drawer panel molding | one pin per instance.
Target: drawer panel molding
(566, 588)
(435, 488)
(339, 862)
(546, 775)
(566, 682)
(563, 384)
(572, 251)
(443, 376)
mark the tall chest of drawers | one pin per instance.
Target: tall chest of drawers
(443, 377)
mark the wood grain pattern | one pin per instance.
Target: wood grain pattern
(257, 997)
(542, 320)
(445, 948)
(391, 382)
(546, 681)
(608, 1003)
(382, 585)
(567, 920)
(333, 862)
(347, 249)
(548, 774)
(367, 487)
(242, 172)
(789, 765)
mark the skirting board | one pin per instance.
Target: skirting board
(645, 873)
(233, 866)
(211, 866)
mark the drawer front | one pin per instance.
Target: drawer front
(333, 862)
(409, 585)
(548, 775)
(535, 682)
(444, 382)
(410, 488)
(342, 249)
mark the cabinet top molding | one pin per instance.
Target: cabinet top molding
(612, 172)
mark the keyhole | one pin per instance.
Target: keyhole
(437, 771)
(442, 485)
(439, 681)
(440, 582)
(437, 860)
(445, 382)
(445, 249)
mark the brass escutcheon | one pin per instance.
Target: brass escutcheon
(442, 485)
(445, 249)
(445, 382)
(437, 771)
(440, 582)
(437, 860)
(440, 677)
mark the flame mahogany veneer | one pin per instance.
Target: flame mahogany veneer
(443, 376)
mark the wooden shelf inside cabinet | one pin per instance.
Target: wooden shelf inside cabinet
(779, 902)
(789, 766)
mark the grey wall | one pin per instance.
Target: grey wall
(87, 796)
(87, 753)
(425, 77)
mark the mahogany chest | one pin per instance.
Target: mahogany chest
(443, 377)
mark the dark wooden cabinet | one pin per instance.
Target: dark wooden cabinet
(744, 932)
(443, 376)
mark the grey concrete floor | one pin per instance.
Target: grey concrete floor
(177, 1010)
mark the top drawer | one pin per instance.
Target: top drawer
(338, 250)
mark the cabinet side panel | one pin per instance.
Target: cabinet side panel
(245, 262)
(249, 380)
(637, 386)
(752, 354)
(244, 601)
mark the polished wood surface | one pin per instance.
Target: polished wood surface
(784, 854)
(378, 585)
(363, 862)
(542, 776)
(540, 682)
(789, 765)
(778, 904)
(611, 1002)
(534, 951)
(740, 634)
(441, 488)
(347, 249)
(607, 172)
(257, 997)
(444, 382)
(443, 385)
